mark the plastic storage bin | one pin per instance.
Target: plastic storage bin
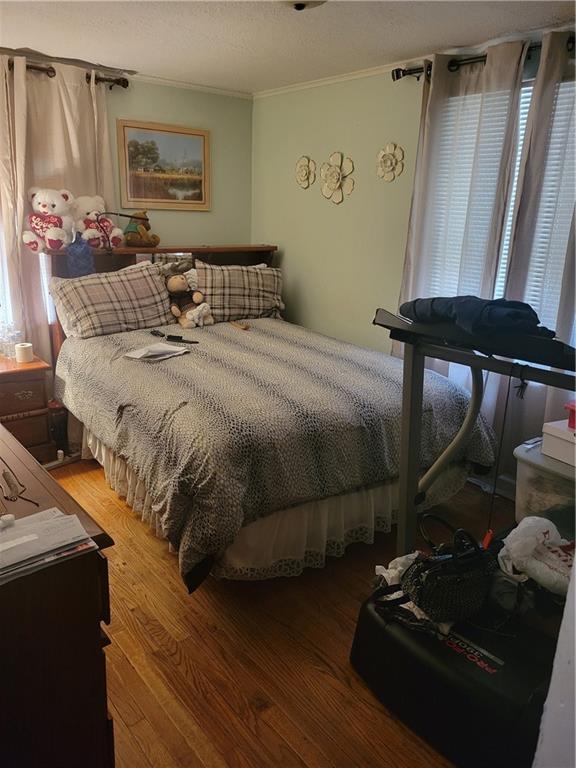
(559, 441)
(541, 482)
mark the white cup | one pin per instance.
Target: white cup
(24, 352)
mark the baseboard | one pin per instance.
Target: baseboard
(74, 457)
(505, 486)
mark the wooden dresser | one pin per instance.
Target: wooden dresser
(53, 706)
(24, 405)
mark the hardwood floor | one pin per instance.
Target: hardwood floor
(245, 674)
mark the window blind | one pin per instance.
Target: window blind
(461, 197)
(462, 191)
(556, 206)
(523, 109)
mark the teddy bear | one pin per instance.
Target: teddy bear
(199, 316)
(137, 232)
(97, 231)
(187, 305)
(50, 225)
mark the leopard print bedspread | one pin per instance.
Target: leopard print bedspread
(251, 422)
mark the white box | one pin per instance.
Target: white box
(541, 482)
(559, 442)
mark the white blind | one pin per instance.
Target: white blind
(523, 109)
(461, 197)
(552, 229)
(462, 189)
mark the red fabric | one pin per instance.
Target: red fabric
(40, 223)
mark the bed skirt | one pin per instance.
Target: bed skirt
(285, 542)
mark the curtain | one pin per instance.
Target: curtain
(464, 171)
(54, 133)
(541, 270)
(493, 204)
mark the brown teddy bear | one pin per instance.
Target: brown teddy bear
(184, 302)
(137, 233)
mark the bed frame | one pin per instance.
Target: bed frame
(117, 258)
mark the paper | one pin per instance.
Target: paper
(159, 351)
(34, 537)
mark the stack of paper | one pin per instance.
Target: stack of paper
(159, 351)
(39, 539)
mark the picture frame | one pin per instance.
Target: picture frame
(163, 166)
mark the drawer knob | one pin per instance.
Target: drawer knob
(24, 394)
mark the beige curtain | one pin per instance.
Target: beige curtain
(54, 133)
(470, 117)
(470, 123)
(542, 244)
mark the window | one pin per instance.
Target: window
(556, 206)
(461, 196)
(466, 167)
(524, 108)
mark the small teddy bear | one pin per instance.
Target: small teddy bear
(50, 224)
(183, 299)
(137, 232)
(97, 231)
(199, 317)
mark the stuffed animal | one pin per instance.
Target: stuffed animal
(97, 231)
(198, 317)
(137, 232)
(50, 225)
(182, 298)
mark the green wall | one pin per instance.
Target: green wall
(340, 262)
(229, 121)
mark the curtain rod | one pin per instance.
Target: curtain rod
(455, 64)
(49, 71)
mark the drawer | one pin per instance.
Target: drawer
(30, 430)
(21, 395)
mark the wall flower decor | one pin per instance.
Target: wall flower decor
(305, 172)
(390, 163)
(336, 178)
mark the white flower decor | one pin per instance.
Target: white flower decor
(305, 172)
(390, 162)
(336, 177)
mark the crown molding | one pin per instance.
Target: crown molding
(190, 86)
(356, 75)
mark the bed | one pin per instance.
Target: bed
(259, 452)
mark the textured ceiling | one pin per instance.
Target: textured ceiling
(255, 46)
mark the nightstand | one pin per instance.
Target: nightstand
(24, 405)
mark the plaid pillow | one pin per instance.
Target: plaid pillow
(111, 302)
(236, 293)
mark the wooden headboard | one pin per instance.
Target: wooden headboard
(110, 261)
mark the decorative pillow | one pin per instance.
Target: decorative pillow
(236, 293)
(111, 302)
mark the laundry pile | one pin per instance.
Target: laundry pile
(533, 556)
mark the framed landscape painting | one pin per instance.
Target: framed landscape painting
(163, 166)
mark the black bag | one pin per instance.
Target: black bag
(454, 581)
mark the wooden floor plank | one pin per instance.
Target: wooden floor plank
(245, 674)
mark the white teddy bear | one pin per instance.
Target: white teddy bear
(199, 317)
(50, 224)
(98, 232)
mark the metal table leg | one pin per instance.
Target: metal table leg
(412, 392)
